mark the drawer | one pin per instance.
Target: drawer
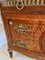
(30, 36)
(26, 10)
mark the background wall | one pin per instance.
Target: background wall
(2, 32)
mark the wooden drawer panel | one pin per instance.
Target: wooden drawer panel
(31, 38)
(26, 10)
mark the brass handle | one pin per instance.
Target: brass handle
(20, 5)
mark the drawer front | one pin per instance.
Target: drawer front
(24, 6)
(28, 34)
(26, 10)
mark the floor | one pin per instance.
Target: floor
(3, 47)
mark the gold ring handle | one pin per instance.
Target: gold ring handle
(20, 5)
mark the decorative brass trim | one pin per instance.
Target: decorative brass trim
(21, 43)
(20, 5)
(21, 28)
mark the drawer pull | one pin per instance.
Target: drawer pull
(21, 28)
(20, 5)
(21, 43)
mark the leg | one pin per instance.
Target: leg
(11, 54)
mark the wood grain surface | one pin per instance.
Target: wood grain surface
(31, 43)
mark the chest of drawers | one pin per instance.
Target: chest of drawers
(25, 30)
